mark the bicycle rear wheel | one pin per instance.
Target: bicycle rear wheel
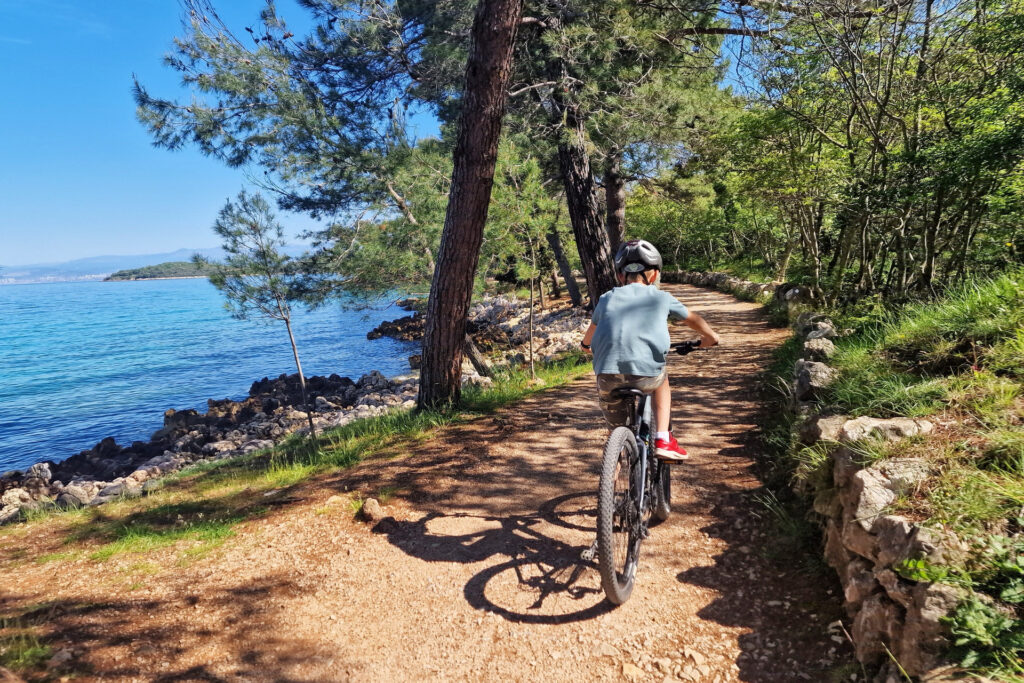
(618, 517)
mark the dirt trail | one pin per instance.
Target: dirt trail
(477, 575)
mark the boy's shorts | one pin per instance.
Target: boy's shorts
(616, 408)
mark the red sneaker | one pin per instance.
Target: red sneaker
(670, 449)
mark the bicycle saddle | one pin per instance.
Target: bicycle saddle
(627, 391)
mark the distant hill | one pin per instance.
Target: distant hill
(100, 267)
(162, 270)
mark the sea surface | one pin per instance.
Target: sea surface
(80, 361)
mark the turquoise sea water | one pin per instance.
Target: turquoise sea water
(82, 361)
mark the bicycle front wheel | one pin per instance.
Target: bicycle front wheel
(618, 517)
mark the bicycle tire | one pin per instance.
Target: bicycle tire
(663, 492)
(618, 517)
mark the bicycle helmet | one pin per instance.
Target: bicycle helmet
(636, 256)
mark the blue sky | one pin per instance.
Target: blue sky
(78, 174)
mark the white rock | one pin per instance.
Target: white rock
(17, 497)
(890, 429)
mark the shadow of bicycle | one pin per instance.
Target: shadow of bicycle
(534, 573)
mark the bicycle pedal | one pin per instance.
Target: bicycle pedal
(590, 553)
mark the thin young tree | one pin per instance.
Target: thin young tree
(256, 278)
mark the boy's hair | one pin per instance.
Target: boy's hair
(647, 277)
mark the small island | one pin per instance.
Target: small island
(170, 269)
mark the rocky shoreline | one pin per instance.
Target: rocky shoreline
(273, 410)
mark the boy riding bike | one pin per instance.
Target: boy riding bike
(629, 338)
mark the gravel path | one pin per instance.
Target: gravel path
(476, 573)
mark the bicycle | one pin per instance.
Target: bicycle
(635, 486)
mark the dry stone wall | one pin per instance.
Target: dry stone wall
(892, 618)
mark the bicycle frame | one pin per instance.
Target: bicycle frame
(640, 423)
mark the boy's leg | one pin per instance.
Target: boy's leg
(663, 406)
(665, 448)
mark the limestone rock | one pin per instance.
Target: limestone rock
(819, 349)
(257, 445)
(9, 513)
(804, 323)
(372, 510)
(844, 466)
(876, 626)
(857, 540)
(75, 495)
(890, 429)
(822, 330)
(924, 637)
(822, 428)
(41, 470)
(811, 379)
(897, 590)
(17, 497)
(872, 493)
(108, 493)
(894, 535)
(323, 405)
(904, 474)
(222, 447)
(835, 552)
(860, 583)
(827, 503)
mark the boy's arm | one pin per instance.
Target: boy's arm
(696, 323)
(588, 336)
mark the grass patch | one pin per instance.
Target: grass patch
(963, 330)
(141, 538)
(21, 647)
(58, 557)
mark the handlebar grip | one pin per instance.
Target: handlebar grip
(685, 347)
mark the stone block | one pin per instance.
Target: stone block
(860, 583)
(876, 627)
(822, 428)
(811, 379)
(889, 430)
(925, 638)
(819, 349)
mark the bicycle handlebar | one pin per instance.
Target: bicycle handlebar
(685, 347)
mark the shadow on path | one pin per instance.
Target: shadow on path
(543, 566)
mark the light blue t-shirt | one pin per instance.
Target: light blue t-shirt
(632, 330)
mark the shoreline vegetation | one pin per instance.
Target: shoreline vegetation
(275, 410)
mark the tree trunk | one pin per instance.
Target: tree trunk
(584, 209)
(615, 202)
(556, 293)
(780, 274)
(477, 358)
(488, 68)
(563, 266)
(533, 371)
(302, 377)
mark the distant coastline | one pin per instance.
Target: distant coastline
(166, 277)
(170, 270)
